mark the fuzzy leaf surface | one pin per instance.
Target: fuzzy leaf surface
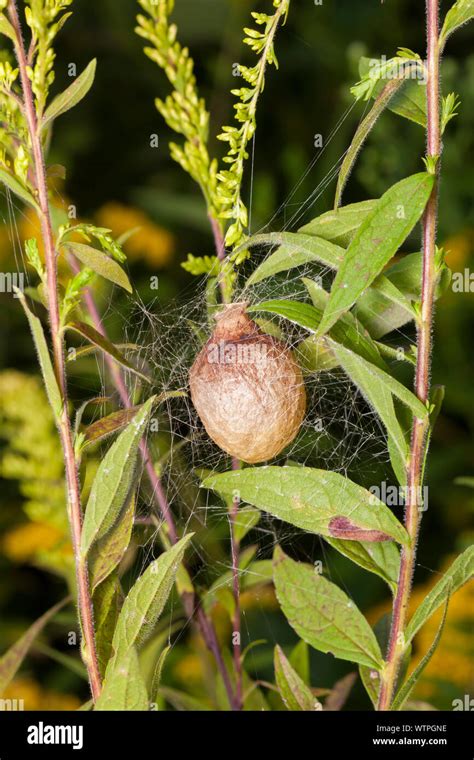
(376, 242)
(124, 688)
(72, 95)
(146, 599)
(100, 263)
(295, 249)
(322, 614)
(318, 501)
(114, 480)
(293, 690)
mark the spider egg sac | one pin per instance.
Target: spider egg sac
(247, 388)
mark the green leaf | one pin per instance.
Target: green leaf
(437, 394)
(97, 339)
(299, 657)
(406, 689)
(72, 95)
(460, 13)
(107, 600)
(114, 480)
(362, 132)
(124, 688)
(6, 28)
(147, 598)
(88, 350)
(370, 677)
(461, 571)
(339, 226)
(107, 552)
(250, 575)
(358, 365)
(386, 306)
(376, 242)
(18, 189)
(377, 388)
(44, 358)
(323, 615)
(87, 706)
(156, 682)
(382, 559)
(295, 249)
(348, 330)
(66, 661)
(309, 317)
(314, 355)
(246, 519)
(12, 659)
(117, 421)
(409, 101)
(109, 425)
(100, 263)
(318, 501)
(293, 690)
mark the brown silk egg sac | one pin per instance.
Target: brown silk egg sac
(247, 388)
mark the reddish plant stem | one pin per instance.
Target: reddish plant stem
(233, 514)
(64, 426)
(191, 604)
(236, 622)
(218, 238)
(422, 378)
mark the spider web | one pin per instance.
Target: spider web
(340, 431)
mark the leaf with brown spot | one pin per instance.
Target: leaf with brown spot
(342, 527)
(97, 339)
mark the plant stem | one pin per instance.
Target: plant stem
(422, 379)
(64, 426)
(218, 238)
(236, 623)
(190, 602)
(233, 514)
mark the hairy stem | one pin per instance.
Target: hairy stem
(191, 603)
(233, 514)
(422, 378)
(65, 432)
(236, 623)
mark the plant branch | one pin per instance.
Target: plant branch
(191, 603)
(234, 511)
(236, 623)
(418, 449)
(64, 426)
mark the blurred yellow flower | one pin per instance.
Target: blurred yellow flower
(452, 660)
(149, 242)
(189, 668)
(23, 542)
(459, 249)
(34, 697)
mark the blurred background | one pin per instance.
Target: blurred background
(117, 180)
